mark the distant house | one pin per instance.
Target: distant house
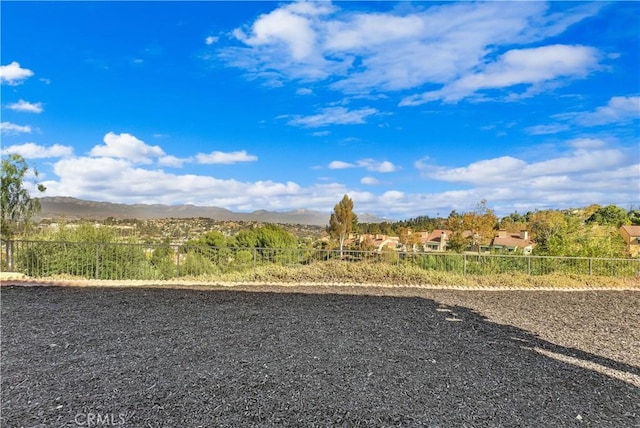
(511, 242)
(436, 240)
(631, 236)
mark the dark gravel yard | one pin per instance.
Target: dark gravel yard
(149, 357)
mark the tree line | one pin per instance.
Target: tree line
(590, 231)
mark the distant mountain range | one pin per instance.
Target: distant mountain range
(73, 209)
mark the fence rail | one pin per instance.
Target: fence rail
(118, 261)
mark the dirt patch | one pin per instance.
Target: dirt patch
(152, 357)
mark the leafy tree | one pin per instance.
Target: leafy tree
(341, 221)
(609, 215)
(514, 222)
(634, 217)
(455, 224)
(17, 207)
(481, 222)
(370, 228)
(246, 238)
(84, 251)
(212, 238)
(163, 261)
(274, 236)
(408, 238)
(548, 229)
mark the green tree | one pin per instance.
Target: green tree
(246, 238)
(274, 236)
(481, 223)
(17, 207)
(456, 241)
(609, 215)
(162, 259)
(341, 221)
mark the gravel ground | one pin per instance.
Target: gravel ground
(347, 356)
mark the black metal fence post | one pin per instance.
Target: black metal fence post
(97, 271)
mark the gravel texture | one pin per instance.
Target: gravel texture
(347, 356)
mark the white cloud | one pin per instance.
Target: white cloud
(283, 27)
(304, 91)
(546, 129)
(618, 109)
(118, 180)
(210, 40)
(384, 166)
(173, 161)
(517, 67)
(368, 164)
(217, 157)
(336, 164)
(12, 128)
(126, 146)
(392, 196)
(405, 48)
(321, 133)
(507, 170)
(334, 116)
(366, 30)
(26, 106)
(542, 185)
(35, 151)
(370, 181)
(13, 74)
(587, 143)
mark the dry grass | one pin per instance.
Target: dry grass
(375, 274)
(402, 275)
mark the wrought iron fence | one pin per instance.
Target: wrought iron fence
(119, 261)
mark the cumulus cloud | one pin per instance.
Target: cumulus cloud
(370, 181)
(334, 116)
(551, 183)
(119, 180)
(587, 156)
(26, 106)
(35, 151)
(282, 27)
(126, 146)
(217, 157)
(12, 74)
(336, 164)
(12, 128)
(517, 67)
(173, 161)
(209, 40)
(405, 48)
(384, 166)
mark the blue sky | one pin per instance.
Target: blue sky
(411, 108)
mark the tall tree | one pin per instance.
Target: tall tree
(341, 221)
(17, 207)
(481, 223)
(454, 223)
